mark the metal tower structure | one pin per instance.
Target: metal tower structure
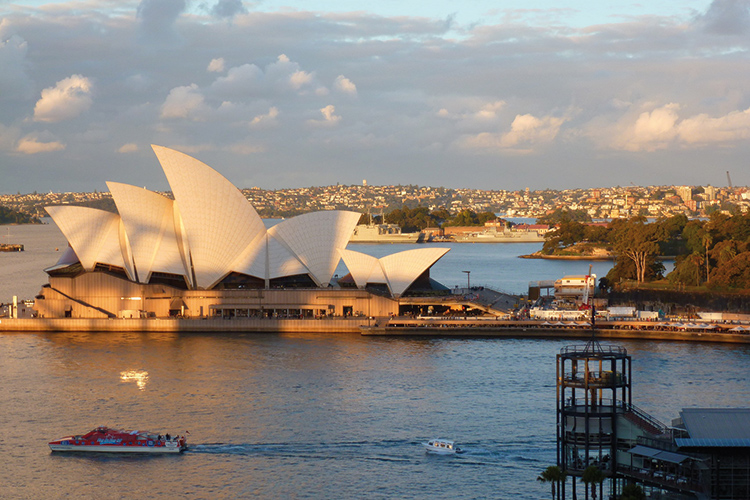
(593, 388)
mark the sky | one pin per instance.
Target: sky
(284, 94)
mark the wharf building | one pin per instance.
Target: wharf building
(207, 253)
(606, 441)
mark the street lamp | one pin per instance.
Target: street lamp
(468, 279)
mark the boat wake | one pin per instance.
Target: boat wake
(364, 450)
(367, 451)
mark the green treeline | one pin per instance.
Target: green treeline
(714, 253)
(8, 216)
(419, 218)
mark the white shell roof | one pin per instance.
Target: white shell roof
(398, 270)
(93, 234)
(363, 268)
(212, 229)
(150, 226)
(219, 221)
(252, 261)
(316, 239)
(402, 268)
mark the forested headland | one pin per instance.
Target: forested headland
(712, 254)
(8, 216)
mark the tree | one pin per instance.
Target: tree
(594, 476)
(568, 232)
(563, 214)
(632, 492)
(735, 273)
(470, 218)
(707, 241)
(638, 241)
(553, 475)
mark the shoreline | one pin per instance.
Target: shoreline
(548, 333)
(584, 257)
(401, 327)
(568, 257)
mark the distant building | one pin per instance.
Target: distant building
(685, 193)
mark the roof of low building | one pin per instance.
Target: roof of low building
(717, 423)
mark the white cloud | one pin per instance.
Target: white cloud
(33, 144)
(216, 65)
(330, 117)
(652, 130)
(130, 147)
(184, 102)
(526, 132)
(489, 111)
(67, 99)
(343, 84)
(704, 130)
(329, 113)
(299, 79)
(287, 74)
(266, 119)
(473, 110)
(495, 85)
(239, 80)
(662, 128)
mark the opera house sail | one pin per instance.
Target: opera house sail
(207, 251)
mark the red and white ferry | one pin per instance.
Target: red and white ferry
(104, 439)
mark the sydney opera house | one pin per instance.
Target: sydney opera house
(207, 254)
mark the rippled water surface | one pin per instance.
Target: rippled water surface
(312, 416)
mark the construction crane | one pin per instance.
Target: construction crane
(585, 302)
(729, 179)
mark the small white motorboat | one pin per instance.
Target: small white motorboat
(441, 447)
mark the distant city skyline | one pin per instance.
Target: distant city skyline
(287, 94)
(603, 202)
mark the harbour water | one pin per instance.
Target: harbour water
(313, 416)
(316, 416)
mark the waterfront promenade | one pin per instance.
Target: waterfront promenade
(400, 326)
(645, 330)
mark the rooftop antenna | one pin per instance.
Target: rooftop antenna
(592, 346)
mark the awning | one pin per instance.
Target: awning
(268, 306)
(664, 456)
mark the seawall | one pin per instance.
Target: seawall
(363, 326)
(259, 325)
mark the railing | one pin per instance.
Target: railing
(600, 379)
(659, 426)
(598, 349)
(600, 403)
(672, 481)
